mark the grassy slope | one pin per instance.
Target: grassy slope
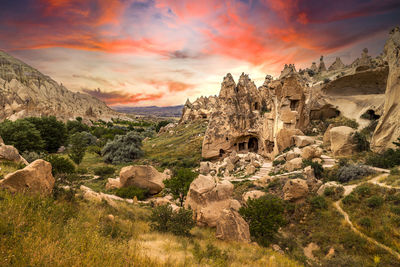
(36, 231)
(384, 221)
(182, 148)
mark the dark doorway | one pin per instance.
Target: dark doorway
(256, 106)
(221, 152)
(294, 104)
(253, 144)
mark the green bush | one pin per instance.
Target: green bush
(161, 124)
(131, 192)
(388, 159)
(334, 192)
(60, 165)
(78, 145)
(318, 169)
(353, 172)
(22, 135)
(349, 199)
(278, 162)
(163, 219)
(32, 156)
(375, 201)
(342, 121)
(179, 184)
(365, 222)
(76, 126)
(363, 190)
(264, 216)
(217, 256)
(361, 142)
(124, 148)
(104, 171)
(318, 202)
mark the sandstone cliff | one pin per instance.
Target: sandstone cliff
(388, 129)
(25, 92)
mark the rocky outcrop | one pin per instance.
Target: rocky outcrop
(25, 92)
(295, 190)
(388, 129)
(208, 198)
(342, 143)
(10, 153)
(143, 176)
(337, 65)
(36, 178)
(200, 109)
(113, 183)
(232, 227)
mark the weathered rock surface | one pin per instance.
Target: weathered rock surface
(143, 176)
(36, 178)
(254, 194)
(388, 129)
(342, 143)
(294, 164)
(231, 226)
(113, 183)
(208, 198)
(302, 140)
(11, 153)
(295, 189)
(311, 152)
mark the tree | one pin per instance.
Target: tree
(179, 184)
(124, 148)
(163, 219)
(76, 126)
(22, 135)
(78, 145)
(161, 124)
(52, 131)
(265, 216)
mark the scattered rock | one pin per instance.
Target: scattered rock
(250, 169)
(311, 152)
(11, 153)
(36, 178)
(308, 251)
(205, 167)
(231, 226)
(143, 176)
(295, 189)
(294, 164)
(342, 140)
(113, 183)
(303, 140)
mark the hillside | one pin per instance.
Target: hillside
(24, 91)
(166, 112)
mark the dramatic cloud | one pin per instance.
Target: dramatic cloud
(183, 48)
(119, 97)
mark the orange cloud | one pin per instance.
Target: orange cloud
(172, 86)
(119, 97)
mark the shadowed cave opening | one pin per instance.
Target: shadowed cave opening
(253, 144)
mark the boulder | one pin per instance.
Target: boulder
(254, 194)
(11, 153)
(327, 136)
(303, 140)
(113, 183)
(294, 164)
(61, 149)
(207, 198)
(232, 227)
(143, 176)
(36, 178)
(342, 143)
(291, 155)
(311, 152)
(309, 172)
(205, 167)
(295, 189)
(250, 169)
(388, 128)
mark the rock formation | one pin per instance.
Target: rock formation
(231, 226)
(322, 66)
(24, 92)
(199, 109)
(36, 178)
(337, 65)
(142, 176)
(388, 129)
(10, 153)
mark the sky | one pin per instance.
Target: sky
(161, 52)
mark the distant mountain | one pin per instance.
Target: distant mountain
(24, 92)
(171, 111)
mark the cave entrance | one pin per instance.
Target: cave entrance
(294, 104)
(242, 146)
(256, 106)
(221, 152)
(370, 115)
(253, 144)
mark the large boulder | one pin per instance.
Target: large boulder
(205, 167)
(311, 152)
(303, 140)
(327, 136)
(143, 176)
(208, 198)
(231, 226)
(294, 164)
(388, 129)
(342, 143)
(295, 189)
(11, 153)
(36, 178)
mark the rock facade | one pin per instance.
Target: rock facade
(142, 176)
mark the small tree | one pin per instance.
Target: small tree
(124, 148)
(163, 219)
(179, 184)
(78, 143)
(22, 135)
(265, 216)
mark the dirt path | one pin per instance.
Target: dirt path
(348, 190)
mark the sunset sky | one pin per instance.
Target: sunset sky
(160, 52)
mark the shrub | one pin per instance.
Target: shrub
(265, 216)
(163, 219)
(318, 169)
(52, 131)
(78, 145)
(334, 192)
(161, 124)
(179, 184)
(349, 199)
(388, 159)
(342, 121)
(131, 192)
(353, 172)
(211, 252)
(90, 139)
(363, 190)
(375, 201)
(124, 148)
(76, 126)
(60, 165)
(22, 135)
(104, 171)
(278, 162)
(361, 142)
(365, 222)
(32, 156)
(318, 202)
(395, 210)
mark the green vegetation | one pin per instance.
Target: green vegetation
(124, 148)
(7, 167)
(60, 165)
(161, 124)
(376, 211)
(318, 169)
(163, 219)
(131, 192)
(265, 216)
(361, 142)
(182, 149)
(342, 121)
(104, 171)
(179, 184)
(78, 145)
